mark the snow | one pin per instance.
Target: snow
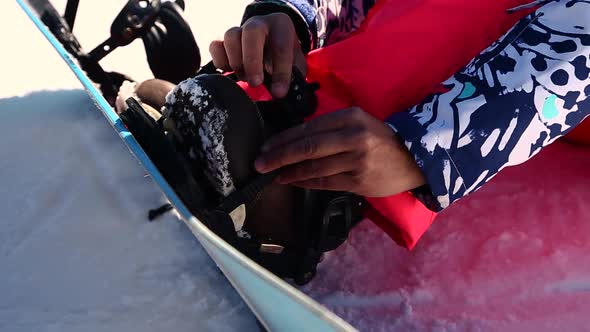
(76, 249)
(78, 254)
(511, 257)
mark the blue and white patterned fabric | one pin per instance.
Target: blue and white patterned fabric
(519, 95)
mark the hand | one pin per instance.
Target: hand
(268, 41)
(348, 150)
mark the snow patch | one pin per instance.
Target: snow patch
(211, 127)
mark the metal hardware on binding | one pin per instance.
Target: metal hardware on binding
(271, 248)
(238, 216)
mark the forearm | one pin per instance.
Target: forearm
(511, 101)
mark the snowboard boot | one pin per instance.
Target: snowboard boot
(205, 145)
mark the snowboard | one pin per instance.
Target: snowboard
(276, 304)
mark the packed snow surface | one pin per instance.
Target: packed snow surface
(78, 254)
(511, 257)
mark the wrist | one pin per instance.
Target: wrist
(414, 170)
(417, 183)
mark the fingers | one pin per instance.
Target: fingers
(328, 122)
(282, 40)
(232, 41)
(318, 168)
(241, 51)
(254, 35)
(270, 37)
(219, 55)
(310, 147)
(153, 92)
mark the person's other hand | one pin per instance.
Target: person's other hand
(262, 42)
(348, 150)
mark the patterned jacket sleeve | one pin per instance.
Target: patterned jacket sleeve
(518, 96)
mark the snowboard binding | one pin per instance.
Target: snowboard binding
(171, 49)
(207, 139)
(205, 145)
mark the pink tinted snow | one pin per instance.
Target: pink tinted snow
(511, 257)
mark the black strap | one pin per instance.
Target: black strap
(171, 49)
(153, 141)
(247, 194)
(70, 13)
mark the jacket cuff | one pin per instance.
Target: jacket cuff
(433, 163)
